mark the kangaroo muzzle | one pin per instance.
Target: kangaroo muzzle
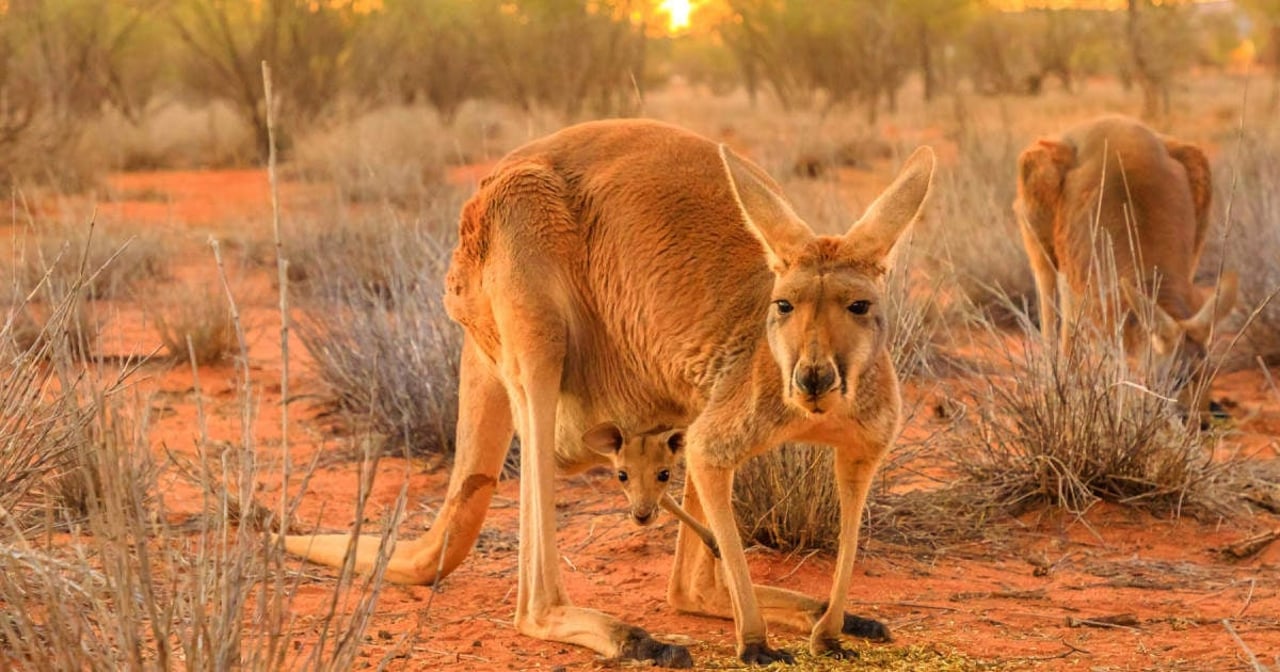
(815, 379)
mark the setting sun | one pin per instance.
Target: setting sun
(678, 12)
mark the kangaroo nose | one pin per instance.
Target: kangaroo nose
(643, 518)
(815, 379)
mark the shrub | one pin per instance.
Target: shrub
(1246, 177)
(375, 325)
(971, 235)
(394, 154)
(195, 323)
(1067, 430)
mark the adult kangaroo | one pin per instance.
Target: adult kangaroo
(1114, 186)
(634, 272)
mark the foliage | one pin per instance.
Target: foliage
(226, 41)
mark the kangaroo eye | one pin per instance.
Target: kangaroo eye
(664, 476)
(622, 476)
(860, 307)
(784, 306)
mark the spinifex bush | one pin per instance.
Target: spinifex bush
(1069, 429)
(194, 322)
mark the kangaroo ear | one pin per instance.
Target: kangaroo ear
(1041, 169)
(605, 438)
(676, 442)
(875, 233)
(1217, 307)
(1199, 179)
(766, 213)
(1165, 331)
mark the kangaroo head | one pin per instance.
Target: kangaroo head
(827, 321)
(641, 463)
(1181, 347)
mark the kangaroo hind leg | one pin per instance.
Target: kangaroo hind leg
(529, 303)
(483, 437)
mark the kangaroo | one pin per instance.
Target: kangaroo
(1113, 184)
(643, 465)
(632, 270)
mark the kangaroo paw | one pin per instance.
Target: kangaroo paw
(640, 646)
(866, 628)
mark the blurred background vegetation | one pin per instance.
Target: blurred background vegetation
(88, 86)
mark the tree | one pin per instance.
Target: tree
(227, 40)
(409, 51)
(567, 55)
(62, 61)
(1267, 12)
(1157, 37)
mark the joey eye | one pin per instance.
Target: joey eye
(664, 476)
(784, 306)
(860, 307)
(622, 477)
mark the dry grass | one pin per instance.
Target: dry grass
(113, 262)
(375, 325)
(395, 154)
(194, 322)
(1246, 177)
(1090, 425)
(132, 586)
(970, 234)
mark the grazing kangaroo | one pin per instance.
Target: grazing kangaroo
(1114, 185)
(643, 464)
(634, 271)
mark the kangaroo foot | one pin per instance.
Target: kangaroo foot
(866, 628)
(640, 646)
(759, 653)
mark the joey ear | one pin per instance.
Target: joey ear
(1219, 304)
(766, 213)
(676, 442)
(900, 205)
(1165, 331)
(605, 439)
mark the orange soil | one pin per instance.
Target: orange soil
(984, 599)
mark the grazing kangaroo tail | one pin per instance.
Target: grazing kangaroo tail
(484, 434)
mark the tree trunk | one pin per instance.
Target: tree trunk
(926, 62)
(1151, 93)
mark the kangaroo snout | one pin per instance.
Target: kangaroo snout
(644, 518)
(815, 379)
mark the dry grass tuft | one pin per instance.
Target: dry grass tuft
(194, 322)
(375, 326)
(1091, 425)
(786, 498)
(1252, 241)
(970, 235)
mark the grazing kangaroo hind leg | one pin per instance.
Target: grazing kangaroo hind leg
(484, 435)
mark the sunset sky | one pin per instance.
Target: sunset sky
(679, 11)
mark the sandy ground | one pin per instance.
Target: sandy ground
(1013, 600)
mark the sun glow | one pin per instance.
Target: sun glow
(678, 12)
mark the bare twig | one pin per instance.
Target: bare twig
(1253, 659)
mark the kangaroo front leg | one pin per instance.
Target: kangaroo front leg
(853, 481)
(715, 487)
(698, 528)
